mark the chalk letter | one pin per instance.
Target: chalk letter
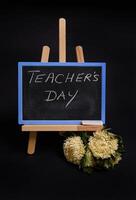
(96, 77)
(88, 76)
(73, 96)
(61, 95)
(79, 77)
(69, 78)
(59, 82)
(39, 78)
(50, 76)
(32, 75)
(51, 95)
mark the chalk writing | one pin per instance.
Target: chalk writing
(52, 95)
(66, 96)
(37, 76)
(61, 92)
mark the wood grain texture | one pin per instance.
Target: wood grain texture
(62, 40)
(48, 128)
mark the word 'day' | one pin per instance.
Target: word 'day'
(57, 93)
(52, 96)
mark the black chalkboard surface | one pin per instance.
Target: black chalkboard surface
(61, 93)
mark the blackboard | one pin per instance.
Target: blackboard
(61, 93)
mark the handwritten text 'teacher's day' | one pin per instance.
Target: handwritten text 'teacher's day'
(38, 77)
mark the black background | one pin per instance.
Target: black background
(85, 106)
(107, 31)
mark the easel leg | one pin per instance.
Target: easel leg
(33, 135)
(32, 142)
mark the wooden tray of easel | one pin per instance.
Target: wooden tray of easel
(34, 129)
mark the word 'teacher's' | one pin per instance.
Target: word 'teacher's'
(38, 77)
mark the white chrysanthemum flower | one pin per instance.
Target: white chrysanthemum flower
(103, 144)
(74, 149)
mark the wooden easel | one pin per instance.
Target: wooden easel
(33, 129)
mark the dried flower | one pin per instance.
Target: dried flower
(103, 144)
(102, 150)
(74, 149)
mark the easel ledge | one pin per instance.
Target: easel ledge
(56, 128)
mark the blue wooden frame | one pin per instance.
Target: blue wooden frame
(69, 64)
